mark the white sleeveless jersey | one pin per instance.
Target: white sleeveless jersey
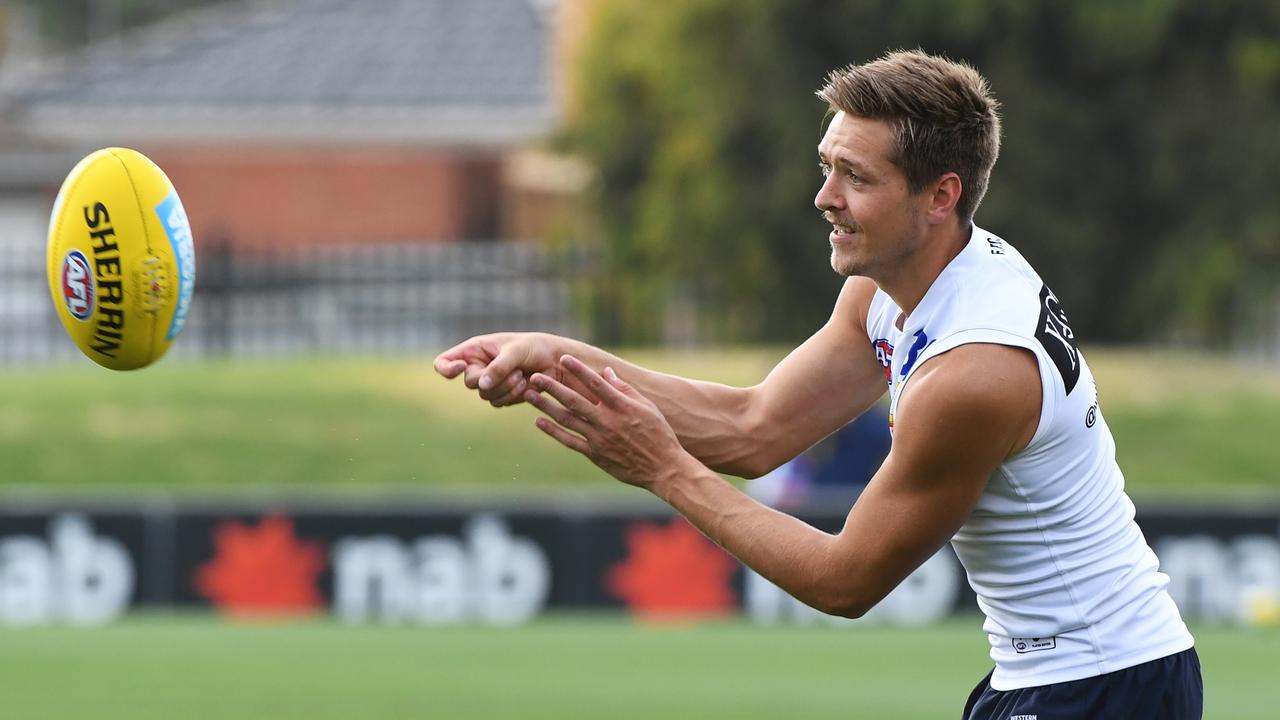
(1068, 584)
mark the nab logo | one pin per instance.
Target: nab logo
(79, 288)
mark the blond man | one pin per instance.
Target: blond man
(999, 445)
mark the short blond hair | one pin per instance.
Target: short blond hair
(943, 116)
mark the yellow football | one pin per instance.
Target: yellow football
(122, 265)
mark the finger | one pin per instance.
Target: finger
(449, 368)
(576, 385)
(618, 382)
(565, 395)
(453, 354)
(504, 388)
(468, 349)
(566, 438)
(595, 384)
(515, 397)
(472, 377)
(558, 412)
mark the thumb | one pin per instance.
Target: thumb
(507, 361)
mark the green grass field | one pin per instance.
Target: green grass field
(1185, 425)
(195, 667)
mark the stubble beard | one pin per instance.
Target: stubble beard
(894, 256)
(846, 267)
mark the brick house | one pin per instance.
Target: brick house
(399, 129)
(304, 122)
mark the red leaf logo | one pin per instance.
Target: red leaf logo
(265, 570)
(673, 571)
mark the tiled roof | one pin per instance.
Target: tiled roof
(379, 70)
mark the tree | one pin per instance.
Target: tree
(1137, 172)
(70, 23)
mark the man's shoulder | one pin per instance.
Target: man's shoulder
(989, 389)
(992, 288)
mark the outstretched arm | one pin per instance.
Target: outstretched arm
(960, 416)
(823, 384)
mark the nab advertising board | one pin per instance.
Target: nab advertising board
(482, 566)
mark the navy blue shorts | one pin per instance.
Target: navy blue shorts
(1166, 689)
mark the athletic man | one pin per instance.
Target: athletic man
(998, 443)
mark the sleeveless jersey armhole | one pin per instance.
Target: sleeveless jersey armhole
(1049, 383)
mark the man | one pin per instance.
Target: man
(998, 443)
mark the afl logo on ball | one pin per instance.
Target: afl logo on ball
(79, 288)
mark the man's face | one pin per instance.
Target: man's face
(877, 222)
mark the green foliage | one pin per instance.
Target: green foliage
(70, 23)
(1138, 172)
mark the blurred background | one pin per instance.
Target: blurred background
(292, 516)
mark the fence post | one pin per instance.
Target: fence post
(216, 289)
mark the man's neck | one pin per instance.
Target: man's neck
(914, 278)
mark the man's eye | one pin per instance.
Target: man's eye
(825, 168)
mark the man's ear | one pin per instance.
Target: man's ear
(943, 198)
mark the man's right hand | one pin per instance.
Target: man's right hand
(822, 385)
(499, 366)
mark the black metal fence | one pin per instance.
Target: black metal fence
(365, 300)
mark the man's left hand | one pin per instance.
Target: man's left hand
(624, 433)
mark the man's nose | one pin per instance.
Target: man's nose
(827, 198)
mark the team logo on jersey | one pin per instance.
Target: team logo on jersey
(79, 287)
(884, 355)
(921, 342)
(1053, 331)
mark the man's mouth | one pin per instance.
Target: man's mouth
(839, 228)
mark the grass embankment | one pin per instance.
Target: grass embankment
(1184, 425)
